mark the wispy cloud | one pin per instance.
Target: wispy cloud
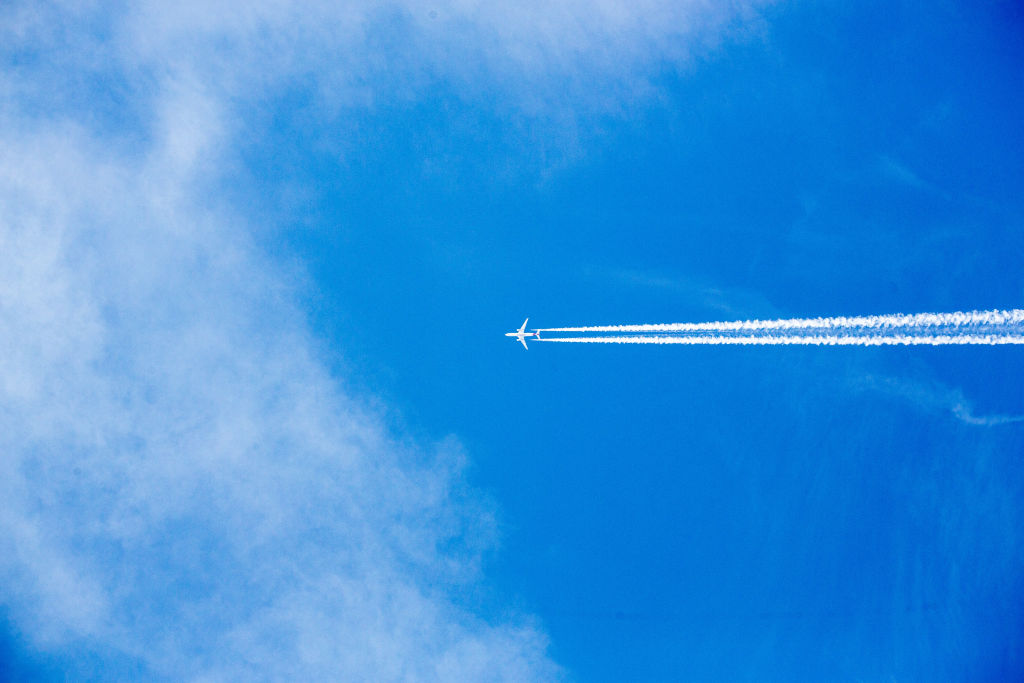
(693, 293)
(935, 397)
(184, 484)
(188, 493)
(546, 69)
(897, 171)
(963, 412)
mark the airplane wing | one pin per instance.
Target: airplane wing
(522, 341)
(523, 328)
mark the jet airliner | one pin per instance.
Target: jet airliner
(521, 334)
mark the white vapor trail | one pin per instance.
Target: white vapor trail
(871, 322)
(806, 340)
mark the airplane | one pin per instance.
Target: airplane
(522, 334)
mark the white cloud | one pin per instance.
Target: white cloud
(182, 480)
(548, 68)
(184, 485)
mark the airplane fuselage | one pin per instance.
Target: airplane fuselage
(521, 334)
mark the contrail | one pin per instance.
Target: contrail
(959, 320)
(804, 340)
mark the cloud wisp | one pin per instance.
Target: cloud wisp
(935, 397)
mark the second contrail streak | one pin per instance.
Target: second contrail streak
(805, 340)
(880, 323)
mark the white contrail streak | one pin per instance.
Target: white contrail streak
(808, 340)
(967, 319)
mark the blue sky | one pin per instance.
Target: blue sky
(259, 418)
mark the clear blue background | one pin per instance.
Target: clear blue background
(704, 513)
